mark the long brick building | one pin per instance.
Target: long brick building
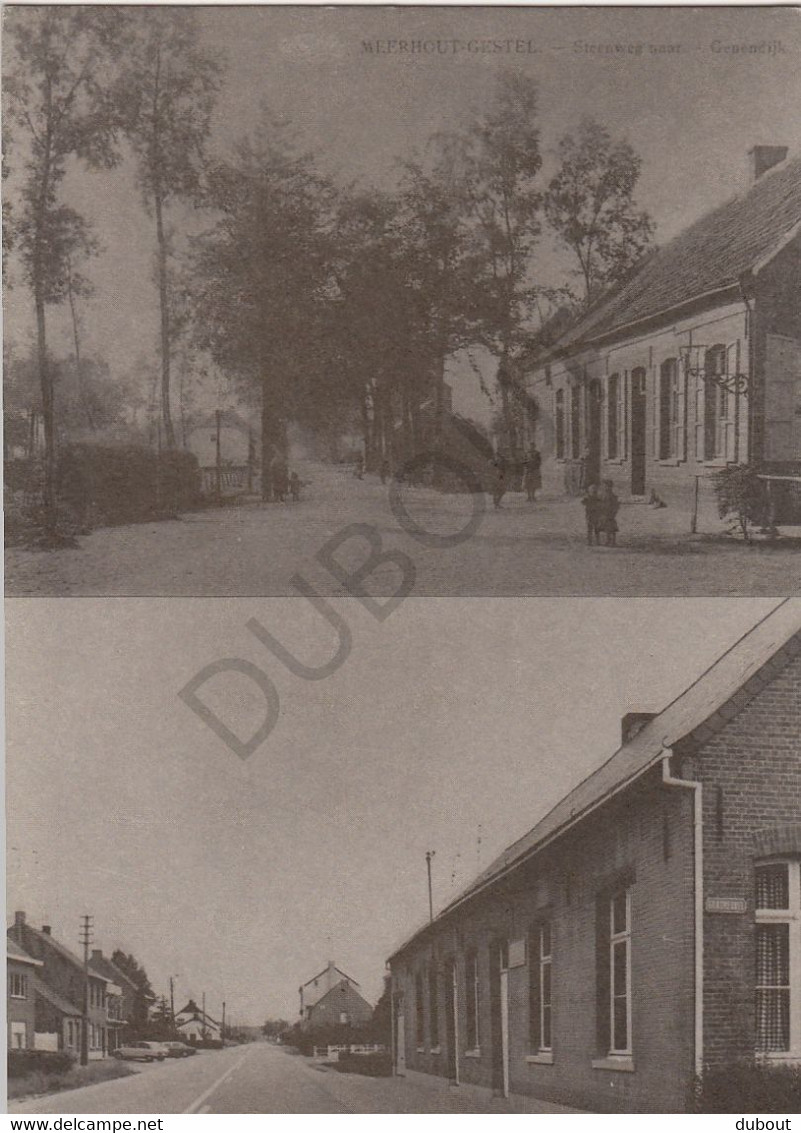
(649, 927)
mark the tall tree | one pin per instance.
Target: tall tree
(261, 274)
(501, 161)
(590, 205)
(166, 97)
(58, 91)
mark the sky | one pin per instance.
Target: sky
(683, 93)
(453, 726)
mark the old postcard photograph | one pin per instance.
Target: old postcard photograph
(498, 856)
(386, 301)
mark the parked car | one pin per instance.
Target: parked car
(142, 1052)
(179, 1050)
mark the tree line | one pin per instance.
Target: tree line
(336, 306)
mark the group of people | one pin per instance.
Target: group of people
(532, 477)
(283, 483)
(600, 509)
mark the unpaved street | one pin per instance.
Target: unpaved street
(521, 549)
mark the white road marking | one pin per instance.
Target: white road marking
(198, 1102)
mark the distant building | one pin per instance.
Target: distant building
(332, 998)
(195, 1026)
(648, 929)
(21, 972)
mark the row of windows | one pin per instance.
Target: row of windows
(777, 982)
(713, 412)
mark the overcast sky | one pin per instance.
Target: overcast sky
(691, 112)
(453, 719)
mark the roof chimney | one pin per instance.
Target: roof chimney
(763, 158)
(46, 929)
(19, 918)
(633, 723)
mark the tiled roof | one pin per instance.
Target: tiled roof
(707, 257)
(55, 1000)
(14, 952)
(47, 940)
(688, 713)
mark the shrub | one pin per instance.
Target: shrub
(21, 1062)
(748, 1088)
(741, 496)
(377, 1065)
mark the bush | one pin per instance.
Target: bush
(378, 1065)
(125, 484)
(741, 496)
(21, 1062)
(748, 1088)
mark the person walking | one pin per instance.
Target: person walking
(532, 476)
(591, 503)
(499, 481)
(608, 507)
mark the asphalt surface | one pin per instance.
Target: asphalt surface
(262, 1078)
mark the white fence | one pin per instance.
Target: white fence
(332, 1053)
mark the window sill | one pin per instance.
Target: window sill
(670, 462)
(421, 1050)
(620, 1062)
(473, 1053)
(435, 1050)
(542, 1058)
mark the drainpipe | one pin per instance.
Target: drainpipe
(698, 872)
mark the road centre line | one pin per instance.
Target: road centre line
(198, 1102)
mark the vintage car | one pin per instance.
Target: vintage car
(179, 1050)
(142, 1052)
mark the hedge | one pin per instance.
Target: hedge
(22, 1062)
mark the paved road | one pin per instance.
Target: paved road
(262, 1078)
(522, 549)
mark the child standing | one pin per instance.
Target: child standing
(592, 503)
(609, 505)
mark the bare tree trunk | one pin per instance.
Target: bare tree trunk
(169, 431)
(76, 339)
(48, 414)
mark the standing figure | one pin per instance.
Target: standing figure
(608, 509)
(592, 513)
(499, 481)
(532, 477)
(358, 467)
(294, 486)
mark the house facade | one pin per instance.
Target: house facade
(21, 972)
(693, 364)
(320, 995)
(195, 1026)
(648, 929)
(59, 993)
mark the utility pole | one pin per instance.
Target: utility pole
(86, 940)
(429, 856)
(172, 1002)
(222, 1033)
(218, 460)
(204, 1031)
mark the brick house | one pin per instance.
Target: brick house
(649, 927)
(692, 364)
(59, 993)
(21, 972)
(121, 993)
(332, 998)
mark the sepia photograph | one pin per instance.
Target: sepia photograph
(296, 296)
(506, 856)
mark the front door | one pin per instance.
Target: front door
(400, 1037)
(451, 1021)
(499, 1016)
(638, 432)
(593, 455)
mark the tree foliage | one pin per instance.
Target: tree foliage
(590, 205)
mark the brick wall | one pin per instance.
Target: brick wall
(751, 771)
(646, 836)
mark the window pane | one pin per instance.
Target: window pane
(546, 1028)
(546, 983)
(620, 1031)
(772, 1019)
(619, 913)
(545, 940)
(772, 887)
(773, 955)
(619, 968)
